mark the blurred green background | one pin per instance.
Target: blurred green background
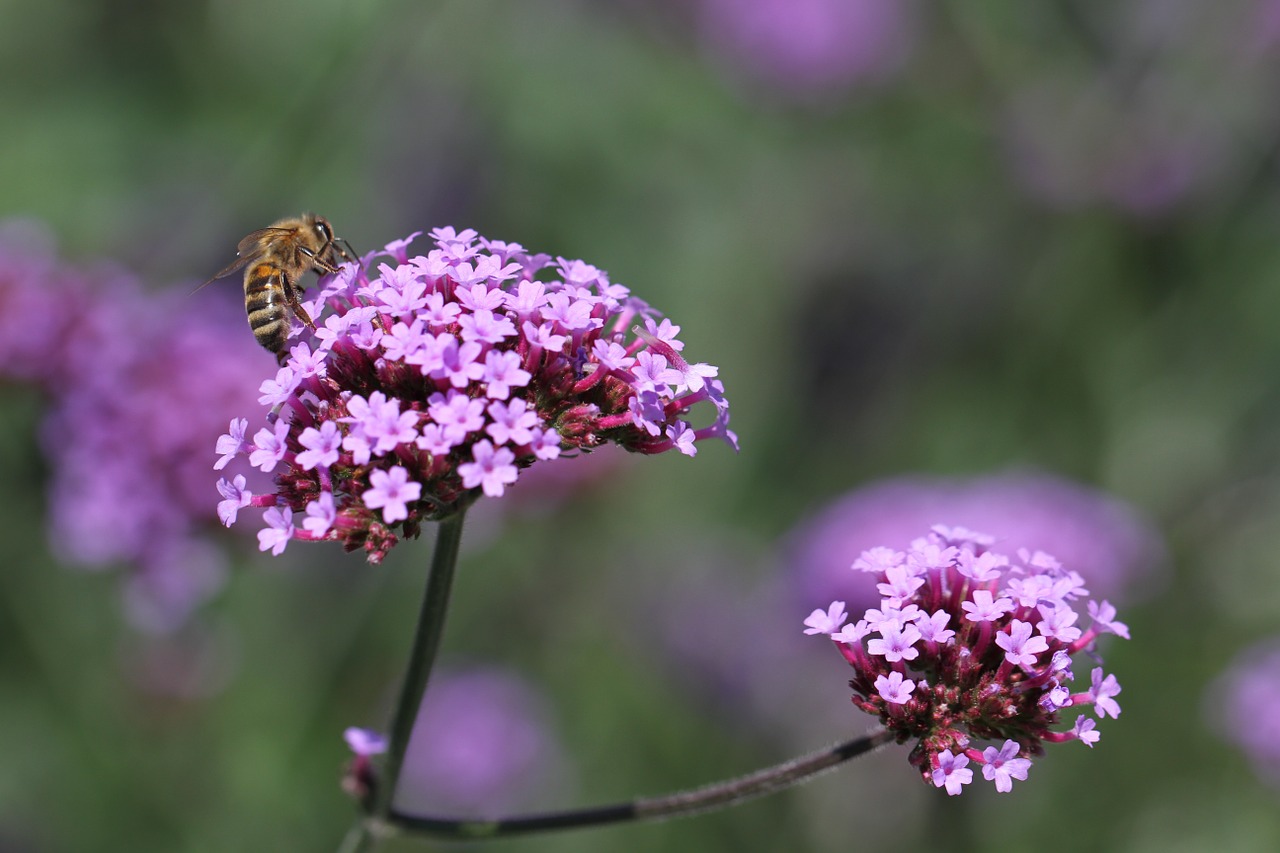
(1027, 234)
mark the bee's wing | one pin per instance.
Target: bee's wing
(251, 243)
(226, 271)
(249, 248)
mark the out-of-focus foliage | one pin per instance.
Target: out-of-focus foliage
(1024, 234)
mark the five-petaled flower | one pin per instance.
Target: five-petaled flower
(968, 644)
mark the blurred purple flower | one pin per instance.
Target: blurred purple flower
(136, 398)
(1243, 704)
(1072, 144)
(810, 47)
(1085, 529)
(482, 745)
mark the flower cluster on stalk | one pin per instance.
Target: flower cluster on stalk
(443, 376)
(970, 645)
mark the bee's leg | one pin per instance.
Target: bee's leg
(317, 262)
(295, 305)
(345, 250)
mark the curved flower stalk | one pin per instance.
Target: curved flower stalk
(443, 377)
(971, 645)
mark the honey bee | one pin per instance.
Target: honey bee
(275, 258)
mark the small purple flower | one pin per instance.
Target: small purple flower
(933, 629)
(983, 609)
(269, 447)
(683, 437)
(235, 498)
(457, 414)
(307, 363)
(826, 621)
(1104, 616)
(365, 742)
(546, 445)
(893, 688)
(322, 445)
(952, 771)
(502, 372)
(275, 536)
(392, 492)
(492, 470)
(1002, 766)
(896, 643)
(512, 423)
(1084, 731)
(1103, 692)
(1020, 648)
(276, 391)
(231, 444)
(1057, 622)
(320, 515)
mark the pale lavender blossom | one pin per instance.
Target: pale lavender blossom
(391, 492)
(826, 621)
(893, 688)
(1002, 766)
(235, 497)
(952, 772)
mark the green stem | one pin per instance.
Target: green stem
(707, 798)
(422, 657)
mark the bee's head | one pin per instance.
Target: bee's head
(320, 227)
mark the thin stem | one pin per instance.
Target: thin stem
(716, 795)
(426, 643)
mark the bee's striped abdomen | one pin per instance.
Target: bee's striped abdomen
(266, 303)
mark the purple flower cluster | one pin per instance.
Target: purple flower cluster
(967, 643)
(134, 400)
(1244, 704)
(443, 377)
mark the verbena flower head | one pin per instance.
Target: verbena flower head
(1244, 705)
(437, 378)
(969, 645)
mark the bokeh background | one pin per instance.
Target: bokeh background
(935, 239)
